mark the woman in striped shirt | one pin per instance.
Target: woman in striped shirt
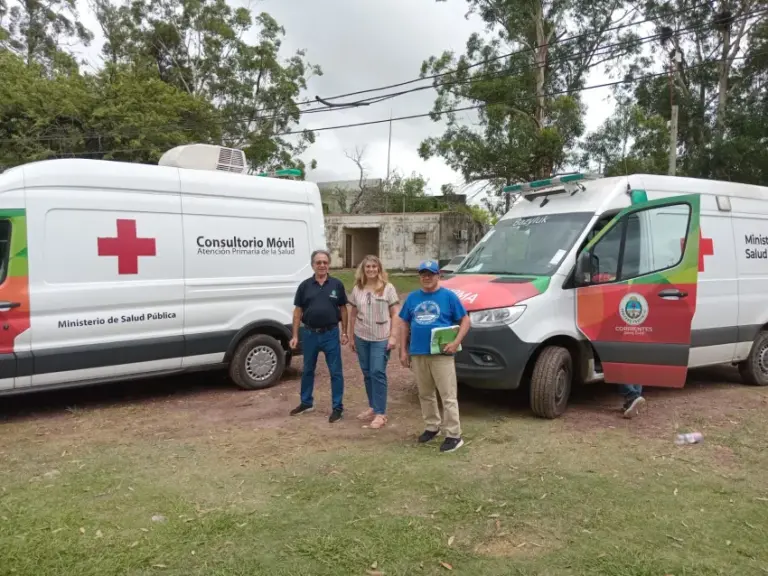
(374, 306)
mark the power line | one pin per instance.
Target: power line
(705, 3)
(598, 51)
(485, 105)
(428, 114)
(632, 43)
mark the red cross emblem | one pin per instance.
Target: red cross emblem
(706, 248)
(127, 247)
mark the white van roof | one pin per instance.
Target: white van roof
(112, 175)
(602, 194)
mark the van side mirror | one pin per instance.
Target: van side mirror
(583, 274)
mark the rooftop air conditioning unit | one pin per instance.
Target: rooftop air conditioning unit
(205, 157)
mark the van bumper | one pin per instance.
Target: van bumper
(492, 359)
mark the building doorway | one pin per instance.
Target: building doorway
(358, 243)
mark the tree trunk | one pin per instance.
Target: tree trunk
(722, 95)
(540, 54)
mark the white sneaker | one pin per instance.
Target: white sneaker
(632, 410)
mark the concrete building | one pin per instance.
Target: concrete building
(400, 240)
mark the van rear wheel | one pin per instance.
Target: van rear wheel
(258, 362)
(551, 382)
(754, 370)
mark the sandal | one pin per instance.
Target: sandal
(366, 415)
(379, 421)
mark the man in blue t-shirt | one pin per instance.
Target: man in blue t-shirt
(425, 309)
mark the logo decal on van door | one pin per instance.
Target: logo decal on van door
(633, 309)
(127, 247)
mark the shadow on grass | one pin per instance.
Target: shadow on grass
(593, 396)
(36, 404)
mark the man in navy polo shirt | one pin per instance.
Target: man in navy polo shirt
(320, 303)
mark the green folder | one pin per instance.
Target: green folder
(441, 337)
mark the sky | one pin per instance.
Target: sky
(364, 44)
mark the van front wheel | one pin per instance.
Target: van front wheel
(551, 382)
(754, 370)
(258, 362)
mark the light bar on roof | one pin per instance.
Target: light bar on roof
(287, 172)
(538, 185)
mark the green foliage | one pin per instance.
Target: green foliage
(530, 114)
(100, 116)
(36, 30)
(723, 111)
(175, 73)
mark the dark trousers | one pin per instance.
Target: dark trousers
(631, 392)
(312, 344)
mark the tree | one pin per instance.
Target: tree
(99, 117)
(39, 116)
(631, 141)
(126, 97)
(718, 88)
(525, 82)
(199, 47)
(39, 31)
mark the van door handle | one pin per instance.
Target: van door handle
(672, 293)
(9, 305)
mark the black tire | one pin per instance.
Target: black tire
(551, 382)
(754, 370)
(247, 373)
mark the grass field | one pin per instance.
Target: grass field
(237, 487)
(403, 283)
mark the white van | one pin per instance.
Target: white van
(112, 270)
(630, 280)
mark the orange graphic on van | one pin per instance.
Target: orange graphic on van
(14, 289)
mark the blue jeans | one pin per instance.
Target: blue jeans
(373, 357)
(312, 344)
(631, 392)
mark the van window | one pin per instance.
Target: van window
(5, 248)
(641, 243)
(606, 256)
(530, 246)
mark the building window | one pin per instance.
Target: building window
(420, 238)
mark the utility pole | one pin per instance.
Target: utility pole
(676, 57)
(389, 144)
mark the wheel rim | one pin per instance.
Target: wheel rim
(261, 363)
(561, 384)
(762, 359)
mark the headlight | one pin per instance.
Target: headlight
(495, 316)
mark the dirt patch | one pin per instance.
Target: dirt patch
(712, 398)
(512, 546)
(252, 424)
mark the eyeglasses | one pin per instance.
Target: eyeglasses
(367, 297)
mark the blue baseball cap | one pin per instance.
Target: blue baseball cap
(429, 266)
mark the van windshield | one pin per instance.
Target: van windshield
(531, 246)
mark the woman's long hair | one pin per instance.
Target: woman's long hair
(361, 278)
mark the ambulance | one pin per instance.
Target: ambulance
(111, 270)
(627, 280)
